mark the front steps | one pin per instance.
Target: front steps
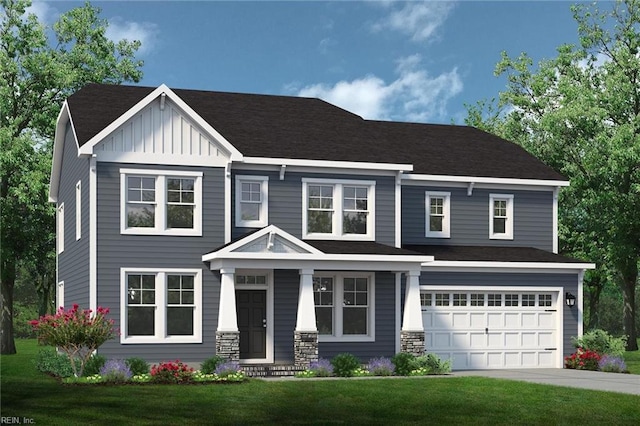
(270, 370)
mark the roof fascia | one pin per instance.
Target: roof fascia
(64, 117)
(469, 266)
(327, 164)
(483, 180)
(87, 148)
(345, 263)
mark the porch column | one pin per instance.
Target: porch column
(305, 337)
(227, 335)
(412, 333)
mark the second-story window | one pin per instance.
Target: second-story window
(501, 216)
(338, 209)
(438, 214)
(251, 201)
(158, 202)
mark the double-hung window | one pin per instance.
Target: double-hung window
(338, 209)
(161, 306)
(160, 202)
(438, 214)
(344, 306)
(501, 216)
(252, 201)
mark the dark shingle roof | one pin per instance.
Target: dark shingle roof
(305, 128)
(490, 254)
(359, 247)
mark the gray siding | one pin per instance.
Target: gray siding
(285, 300)
(138, 251)
(385, 326)
(568, 282)
(533, 218)
(285, 202)
(73, 262)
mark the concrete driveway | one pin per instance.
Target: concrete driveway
(596, 380)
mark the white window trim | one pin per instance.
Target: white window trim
(60, 228)
(264, 205)
(446, 209)
(508, 235)
(78, 210)
(336, 233)
(161, 209)
(59, 295)
(338, 295)
(160, 314)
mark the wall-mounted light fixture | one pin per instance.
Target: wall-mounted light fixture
(570, 299)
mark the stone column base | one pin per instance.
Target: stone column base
(305, 348)
(412, 342)
(228, 345)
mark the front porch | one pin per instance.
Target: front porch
(328, 299)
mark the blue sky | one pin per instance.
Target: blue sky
(405, 61)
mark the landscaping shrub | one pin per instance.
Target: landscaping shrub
(115, 370)
(583, 360)
(321, 368)
(137, 365)
(51, 362)
(22, 317)
(209, 365)
(601, 342)
(612, 364)
(345, 364)
(227, 368)
(93, 365)
(433, 364)
(381, 367)
(405, 363)
(171, 372)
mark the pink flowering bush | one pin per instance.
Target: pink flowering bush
(583, 359)
(171, 372)
(75, 332)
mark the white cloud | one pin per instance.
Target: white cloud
(46, 13)
(418, 19)
(413, 96)
(145, 32)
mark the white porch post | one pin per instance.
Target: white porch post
(305, 336)
(306, 319)
(412, 333)
(227, 319)
(412, 317)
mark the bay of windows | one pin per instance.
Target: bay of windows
(161, 204)
(338, 209)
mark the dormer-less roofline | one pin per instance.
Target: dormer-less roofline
(484, 180)
(294, 162)
(87, 148)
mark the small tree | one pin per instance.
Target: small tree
(76, 333)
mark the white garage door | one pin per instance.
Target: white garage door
(492, 329)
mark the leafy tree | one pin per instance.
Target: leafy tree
(580, 113)
(39, 68)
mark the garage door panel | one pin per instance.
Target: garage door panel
(497, 336)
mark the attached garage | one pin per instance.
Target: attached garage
(492, 328)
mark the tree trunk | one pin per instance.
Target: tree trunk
(8, 276)
(628, 280)
(595, 286)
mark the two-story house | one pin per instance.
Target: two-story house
(275, 229)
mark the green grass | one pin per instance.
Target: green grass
(458, 400)
(632, 359)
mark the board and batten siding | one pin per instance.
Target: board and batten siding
(533, 218)
(285, 202)
(116, 251)
(73, 262)
(568, 283)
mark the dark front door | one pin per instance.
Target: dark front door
(251, 306)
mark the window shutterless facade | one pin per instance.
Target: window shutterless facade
(438, 214)
(338, 209)
(501, 216)
(344, 306)
(252, 201)
(155, 202)
(161, 306)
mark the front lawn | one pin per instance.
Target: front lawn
(632, 359)
(29, 394)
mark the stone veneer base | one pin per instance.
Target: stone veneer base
(305, 348)
(228, 345)
(412, 342)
